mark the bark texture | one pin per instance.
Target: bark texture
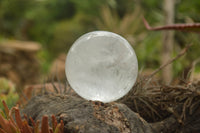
(84, 116)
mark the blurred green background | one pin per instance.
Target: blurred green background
(56, 24)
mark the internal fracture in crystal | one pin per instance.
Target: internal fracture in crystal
(101, 66)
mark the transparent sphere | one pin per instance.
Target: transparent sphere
(101, 66)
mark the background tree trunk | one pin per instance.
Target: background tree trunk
(167, 47)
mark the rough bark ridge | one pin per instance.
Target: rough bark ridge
(84, 116)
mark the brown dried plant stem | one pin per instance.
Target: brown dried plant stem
(192, 27)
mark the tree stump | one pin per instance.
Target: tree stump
(84, 116)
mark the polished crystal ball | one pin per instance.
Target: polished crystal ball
(101, 66)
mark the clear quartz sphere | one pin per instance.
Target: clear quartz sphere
(101, 66)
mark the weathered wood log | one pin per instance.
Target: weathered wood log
(84, 116)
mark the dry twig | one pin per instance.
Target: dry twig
(170, 61)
